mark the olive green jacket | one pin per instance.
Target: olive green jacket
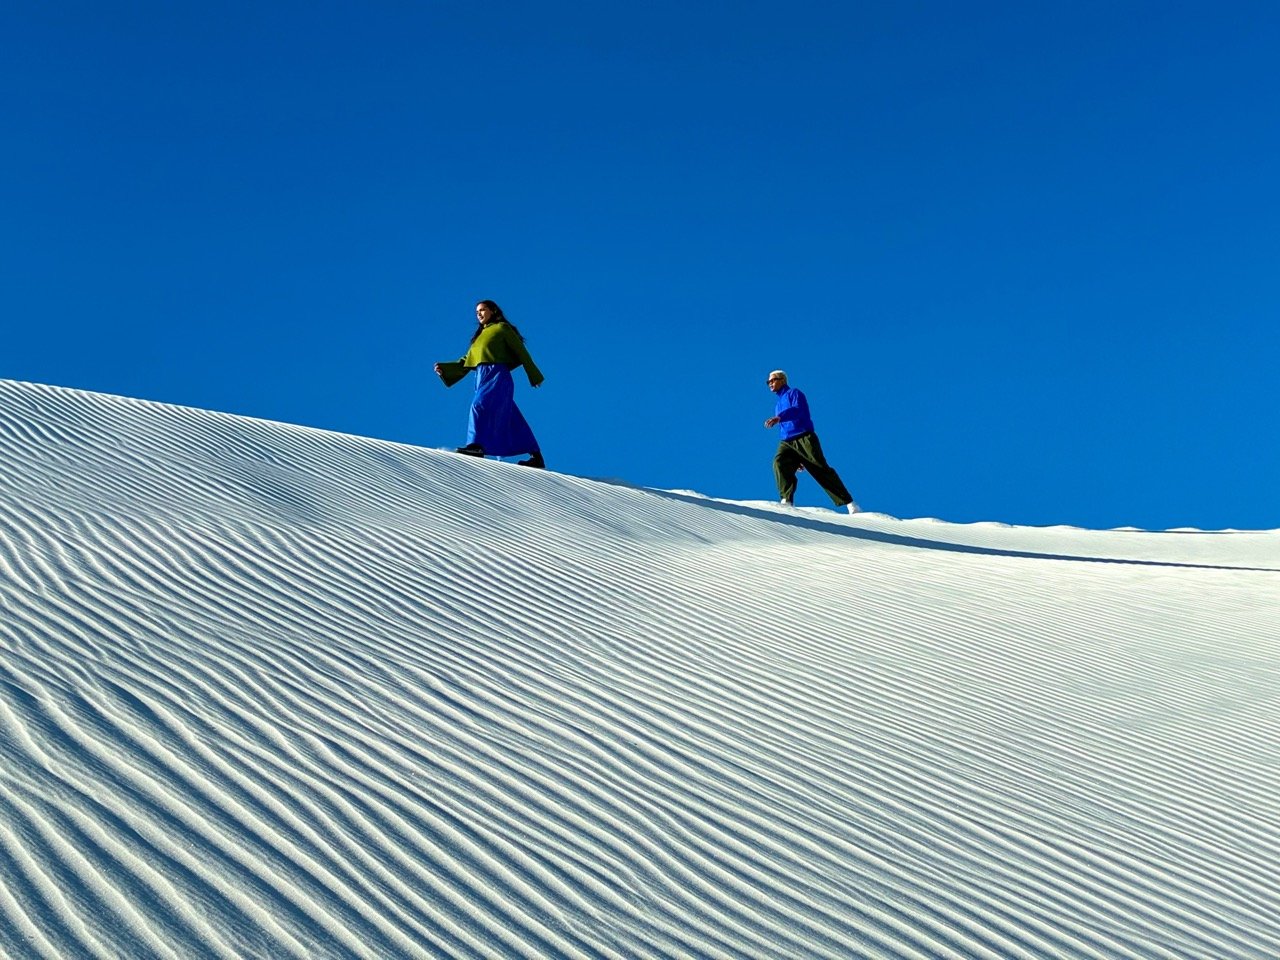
(497, 343)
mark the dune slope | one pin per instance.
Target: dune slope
(267, 691)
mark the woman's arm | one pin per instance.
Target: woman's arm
(451, 371)
(522, 353)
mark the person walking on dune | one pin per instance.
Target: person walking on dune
(799, 448)
(496, 427)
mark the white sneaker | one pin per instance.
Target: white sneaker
(851, 506)
(786, 503)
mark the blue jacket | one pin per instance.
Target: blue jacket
(793, 410)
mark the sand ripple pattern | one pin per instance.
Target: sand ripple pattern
(269, 692)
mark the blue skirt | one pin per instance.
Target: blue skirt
(496, 423)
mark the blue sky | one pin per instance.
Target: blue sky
(1023, 258)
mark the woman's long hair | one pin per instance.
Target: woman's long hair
(498, 317)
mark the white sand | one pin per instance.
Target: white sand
(267, 691)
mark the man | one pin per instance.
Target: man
(799, 448)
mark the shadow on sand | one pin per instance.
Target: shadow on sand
(874, 536)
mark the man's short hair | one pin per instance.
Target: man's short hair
(778, 373)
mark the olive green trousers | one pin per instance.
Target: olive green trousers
(805, 451)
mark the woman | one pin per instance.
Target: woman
(496, 426)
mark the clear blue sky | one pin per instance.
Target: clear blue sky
(1023, 258)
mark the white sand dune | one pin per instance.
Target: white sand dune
(267, 691)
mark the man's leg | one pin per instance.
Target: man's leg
(810, 451)
(785, 464)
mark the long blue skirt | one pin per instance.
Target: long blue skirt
(496, 423)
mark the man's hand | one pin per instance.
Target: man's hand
(773, 421)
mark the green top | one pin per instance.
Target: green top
(498, 343)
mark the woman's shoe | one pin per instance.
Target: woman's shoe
(472, 450)
(535, 460)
